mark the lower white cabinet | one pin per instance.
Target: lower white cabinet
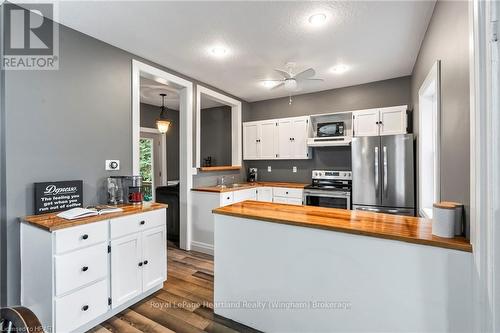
(76, 277)
(265, 194)
(291, 196)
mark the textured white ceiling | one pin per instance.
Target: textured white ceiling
(377, 39)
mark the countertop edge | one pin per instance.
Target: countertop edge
(419, 241)
(214, 189)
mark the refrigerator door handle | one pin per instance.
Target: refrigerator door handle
(376, 168)
(385, 170)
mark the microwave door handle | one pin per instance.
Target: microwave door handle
(385, 170)
(376, 169)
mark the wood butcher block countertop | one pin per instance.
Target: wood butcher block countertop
(51, 222)
(244, 186)
(403, 228)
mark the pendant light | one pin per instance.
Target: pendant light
(162, 123)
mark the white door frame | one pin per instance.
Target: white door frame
(163, 152)
(235, 123)
(484, 166)
(185, 136)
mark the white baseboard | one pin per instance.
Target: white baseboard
(202, 247)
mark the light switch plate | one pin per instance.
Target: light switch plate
(269, 168)
(294, 169)
(112, 165)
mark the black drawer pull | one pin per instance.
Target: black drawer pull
(142, 222)
(85, 308)
(85, 268)
(140, 264)
(145, 262)
(85, 236)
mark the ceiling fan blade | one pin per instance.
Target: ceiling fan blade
(305, 74)
(283, 73)
(278, 85)
(315, 80)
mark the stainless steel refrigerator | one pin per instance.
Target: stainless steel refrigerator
(383, 174)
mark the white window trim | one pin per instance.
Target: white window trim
(163, 152)
(432, 78)
(236, 125)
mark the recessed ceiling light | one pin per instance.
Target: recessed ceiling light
(219, 51)
(339, 69)
(317, 19)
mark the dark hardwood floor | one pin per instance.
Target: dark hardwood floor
(185, 304)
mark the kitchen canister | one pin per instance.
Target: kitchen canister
(443, 220)
(459, 217)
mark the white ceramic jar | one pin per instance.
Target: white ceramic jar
(443, 220)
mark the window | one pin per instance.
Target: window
(428, 141)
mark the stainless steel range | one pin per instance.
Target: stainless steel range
(329, 189)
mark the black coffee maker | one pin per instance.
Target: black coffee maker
(252, 175)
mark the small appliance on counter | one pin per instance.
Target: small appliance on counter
(252, 175)
(124, 189)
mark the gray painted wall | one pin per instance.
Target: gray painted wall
(447, 39)
(63, 125)
(149, 114)
(376, 94)
(216, 135)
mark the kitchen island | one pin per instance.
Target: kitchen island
(285, 268)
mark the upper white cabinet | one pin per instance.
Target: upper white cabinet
(383, 121)
(276, 139)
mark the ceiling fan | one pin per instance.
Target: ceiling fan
(290, 80)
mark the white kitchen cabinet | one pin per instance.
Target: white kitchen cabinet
(383, 121)
(291, 196)
(284, 138)
(265, 194)
(76, 277)
(246, 194)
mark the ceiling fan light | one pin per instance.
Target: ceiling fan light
(290, 84)
(317, 19)
(339, 69)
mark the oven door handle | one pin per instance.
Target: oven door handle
(341, 195)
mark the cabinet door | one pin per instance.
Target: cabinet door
(285, 135)
(154, 258)
(365, 123)
(242, 195)
(393, 120)
(294, 201)
(299, 138)
(265, 194)
(267, 140)
(250, 141)
(126, 274)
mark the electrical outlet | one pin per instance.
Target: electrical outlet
(269, 168)
(294, 169)
(112, 165)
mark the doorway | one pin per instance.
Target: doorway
(153, 163)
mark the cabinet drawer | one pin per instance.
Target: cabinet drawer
(295, 201)
(80, 307)
(77, 237)
(226, 198)
(135, 223)
(287, 192)
(78, 268)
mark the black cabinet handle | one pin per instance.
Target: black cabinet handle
(85, 236)
(228, 198)
(145, 262)
(140, 264)
(142, 222)
(85, 308)
(85, 268)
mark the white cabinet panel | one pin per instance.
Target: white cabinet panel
(393, 120)
(287, 192)
(125, 225)
(126, 272)
(242, 195)
(299, 137)
(153, 255)
(365, 123)
(280, 200)
(80, 307)
(267, 140)
(226, 198)
(250, 140)
(285, 133)
(265, 194)
(76, 269)
(294, 201)
(81, 236)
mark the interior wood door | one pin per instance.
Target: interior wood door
(154, 259)
(126, 274)
(285, 135)
(267, 142)
(299, 138)
(250, 141)
(393, 120)
(365, 123)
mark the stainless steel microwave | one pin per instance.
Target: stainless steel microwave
(330, 129)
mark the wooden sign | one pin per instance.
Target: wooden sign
(57, 196)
